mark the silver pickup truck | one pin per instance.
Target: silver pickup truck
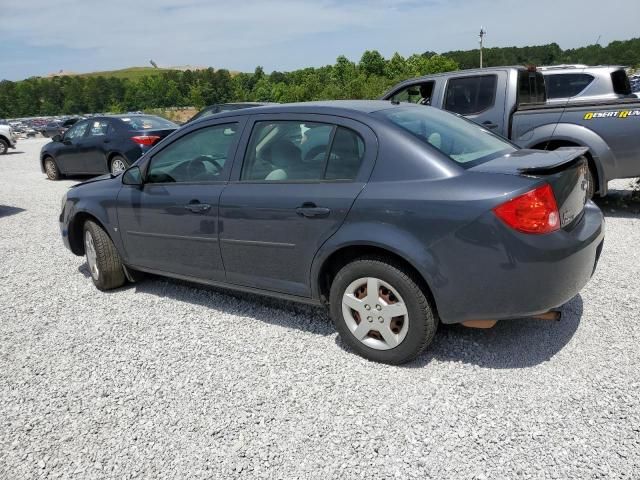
(511, 101)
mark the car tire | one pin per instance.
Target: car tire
(117, 165)
(4, 146)
(102, 257)
(591, 186)
(385, 337)
(51, 169)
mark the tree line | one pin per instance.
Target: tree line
(368, 78)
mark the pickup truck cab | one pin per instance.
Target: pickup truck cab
(512, 102)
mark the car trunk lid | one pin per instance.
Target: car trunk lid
(565, 169)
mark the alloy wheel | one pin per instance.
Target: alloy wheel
(375, 313)
(117, 166)
(92, 257)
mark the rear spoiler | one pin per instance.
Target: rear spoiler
(564, 158)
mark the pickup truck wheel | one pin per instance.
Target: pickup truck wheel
(381, 312)
(51, 169)
(118, 165)
(103, 259)
(4, 146)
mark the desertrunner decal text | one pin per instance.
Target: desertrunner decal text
(620, 114)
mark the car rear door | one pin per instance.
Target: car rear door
(292, 187)
(170, 223)
(478, 97)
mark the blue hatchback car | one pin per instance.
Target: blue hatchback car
(397, 217)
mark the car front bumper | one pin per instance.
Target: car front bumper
(513, 275)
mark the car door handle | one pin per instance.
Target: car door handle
(198, 207)
(489, 124)
(106, 140)
(311, 210)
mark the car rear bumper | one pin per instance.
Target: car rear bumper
(514, 275)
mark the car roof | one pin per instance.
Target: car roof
(329, 107)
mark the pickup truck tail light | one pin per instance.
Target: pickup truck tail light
(533, 212)
(147, 140)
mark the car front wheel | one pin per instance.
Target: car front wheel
(51, 169)
(4, 146)
(103, 259)
(381, 312)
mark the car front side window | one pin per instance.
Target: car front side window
(77, 131)
(199, 156)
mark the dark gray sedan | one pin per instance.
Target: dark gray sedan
(397, 217)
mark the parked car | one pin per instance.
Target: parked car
(409, 216)
(102, 144)
(8, 138)
(223, 107)
(585, 83)
(511, 101)
(58, 127)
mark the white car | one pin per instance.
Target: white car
(8, 139)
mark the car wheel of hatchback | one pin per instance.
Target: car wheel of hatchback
(51, 169)
(102, 258)
(381, 312)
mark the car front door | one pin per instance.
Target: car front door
(480, 98)
(170, 223)
(297, 180)
(95, 145)
(70, 155)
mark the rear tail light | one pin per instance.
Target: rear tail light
(532, 212)
(146, 139)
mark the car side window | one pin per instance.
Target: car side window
(77, 131)
(566, 85)
(347, 152)
(99, 128)
(471, 95)
(301, 151)
(199, 156)
(419, 93)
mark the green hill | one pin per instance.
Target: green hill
(132, 73)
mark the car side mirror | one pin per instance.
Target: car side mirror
(56, 138)
(132, 176)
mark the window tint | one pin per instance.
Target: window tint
(346, 155)
(621, 83)
(420, 93)
(461, 140)
(299, 151)
(77, 130)
(197, 157)
(470, 95)
(99, 128)
(565, 85)
(531, 88)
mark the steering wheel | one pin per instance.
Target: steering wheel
(196, 166)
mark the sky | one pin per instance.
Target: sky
(38, 37)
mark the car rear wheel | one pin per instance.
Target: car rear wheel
(51, 169)
(4, 146)
(118, 165)
(381, 312)
(102, 257)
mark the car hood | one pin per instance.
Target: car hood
(532, 162)
(101, 178)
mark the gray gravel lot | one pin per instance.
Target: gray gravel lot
(169, 380)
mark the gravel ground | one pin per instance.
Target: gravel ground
(169, 380)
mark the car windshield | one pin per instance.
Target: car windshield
(147, 122)
(461, 140)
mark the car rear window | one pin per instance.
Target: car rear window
(621, 83)
(531, 88)
(461, 140)
(147, 122)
